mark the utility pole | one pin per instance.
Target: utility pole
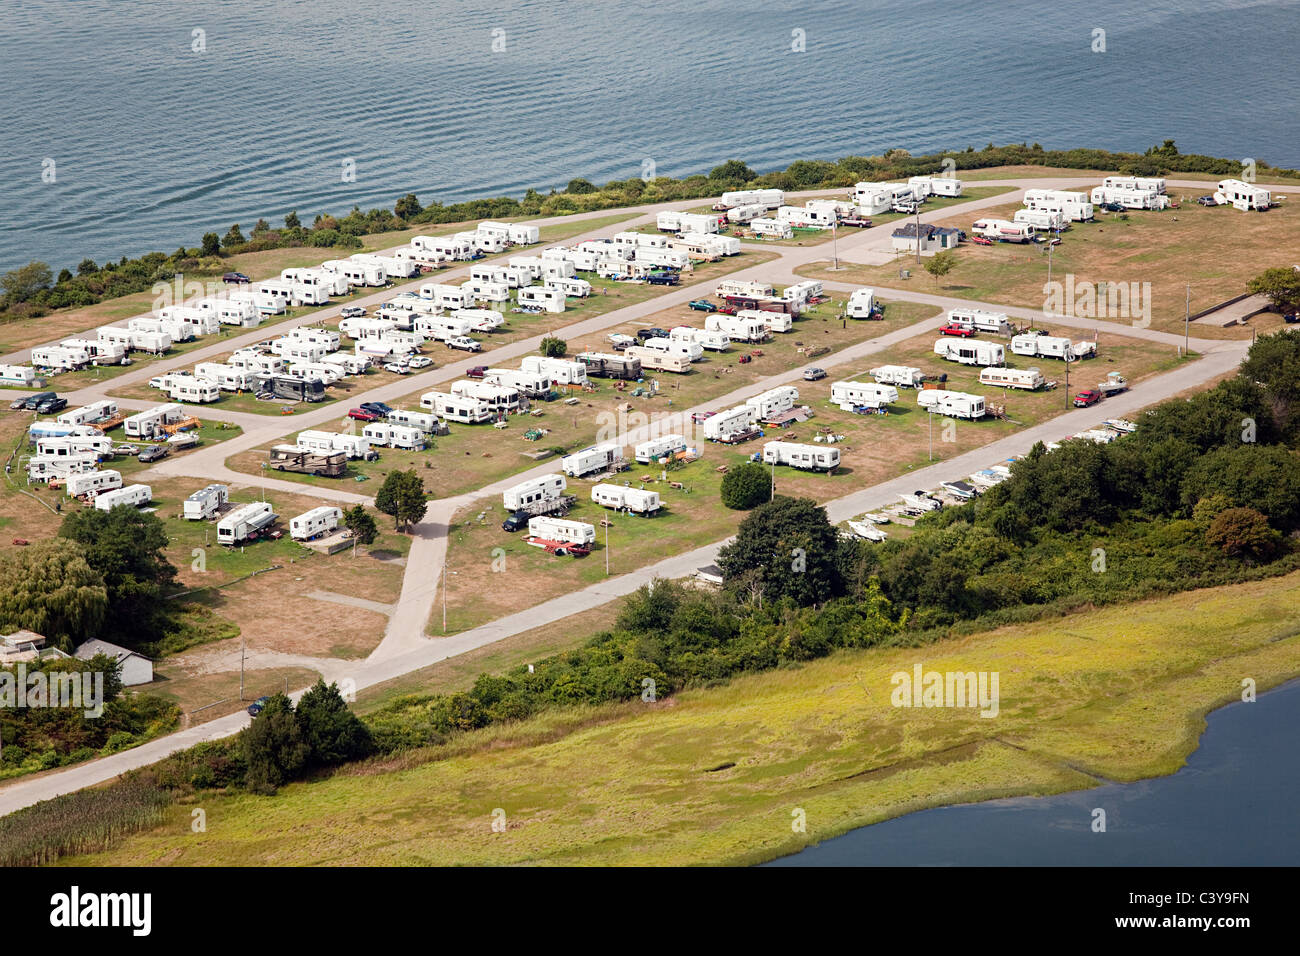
(607, 524)
(835, 255)
(243, 644)
(773, 496)
(918, 233)
(1187, 317)
(1067, 379)
(444, 595)
(930, 415)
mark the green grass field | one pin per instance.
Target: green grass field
(713, 776)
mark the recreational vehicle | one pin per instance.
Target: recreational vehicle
(808, 217)
(266, 303)
(314, 523)
(1129, 198)
(657, 448)
(862, 305)
(227, 378)
(458, 408)
(59, 358)
(256, 363)
(101, 353)
(953, 404)
(659, 359)
(970, 351)
(424, 421)
(638, 501)
(487, 290)
(675, 346)
(1028, 378)
(1076, 206)
(446, 296)
(132, 496)
(715, 341)
(240, 312)
(92, 483)
(90, 414)
(47, 467)
(388, 435)
(1241, 195)
(853, 396)
(245, 522)
(774, 321)
(804, 457)
(924, 186)
(541, 297)
(898, 375)
(596, 458)
(150, 423)
(302, 462)
(524, 234)
(664, 258)
(353, 446)
(327, 372)
(327, 339)
(980, 320)
(563, 530)
(497, 397)
(1041, 219)
(205, 502)
(447, 247)
(733, 425)
(189, 388)
(767, 198)
(1003, 230)
(23, 375)
(747, 213)
(773, 402)
(351, 363)
(1033, 345)
(764, 228)
(561, 371)
(605, 365)
(803, 292)
(71, 446)
(1138, 183)
(737, 329)
(532, 384)
(532, 491)
(758, 290)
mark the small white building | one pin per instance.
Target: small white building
(134, 668)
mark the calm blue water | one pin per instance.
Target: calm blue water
(154, 144)
(1233, 804)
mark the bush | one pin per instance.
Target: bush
(553, 347)
(746, 486)
(1243, 533)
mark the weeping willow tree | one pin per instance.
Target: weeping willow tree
(49, 588)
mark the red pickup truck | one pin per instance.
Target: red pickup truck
(958, 330)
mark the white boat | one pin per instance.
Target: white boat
(1120, 425)
(876, 517)
(864, 529)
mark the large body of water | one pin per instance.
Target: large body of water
(154, 143)
(1233, 804)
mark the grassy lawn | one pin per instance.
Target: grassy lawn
(1216, 250)
(712, 776)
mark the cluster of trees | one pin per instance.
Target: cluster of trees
(33, 290)
(402, 497)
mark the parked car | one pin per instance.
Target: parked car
(256, 706)
(397, 368)
(703, 305)
(958, 330)
(726, 310)
(1291, 317)
(236, 277)
(51, 405)
(382, 409)
(1207, 201)
(154, 453)
(353, 311)
(644, 335)
(1087, 398)
(814, 374)
(621, 341)
(363, 415)
(464, 343)
(478, 371)
(125, 449)
(420, 361)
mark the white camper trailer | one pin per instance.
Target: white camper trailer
(1076, 206)
(90, 414)
(1003, 230)
(23, 375)
(532, 384)
(638, 501)
(239, 312)
(925, 186)
(755, 290)
(530, 492)
(773, 402)
(596, 458)
(659, 359)
(764, 228)
(206, 502)
(715, 341)
(227, 378)
(767, 198)
(189, 388)
(732, 425)
(561, 371)
(546, 528)
(329, 281)
(458, 408)
(953, 404)
(132, 496)
(853, 396)
(1047, 221)
(900, 375)
(92, 483)
(446, 247)
(736, 328)
(557, 269)
(657, 448)
(1241, 195)
(149, 423)
(772, 321)
(393, 266)
(487, 290)
(255, 362)
(101, 353)
(747, 213)
(72, 446)
(350, 363)
(1129, 198)
(60, 358)
(1137, 183)
(980, 320)
(245, 522)
(498, 397)
(1033, 345)
(47, 467)
(314, 523)
(803, 292)
(804, 457)
(862, 304)
(687, 348)
(446, 296)
(329, 443)
(388, 435)
(425, 421)
(1027, 378)
(541, 297)
(266, 303)
(970, 351)
(524, 234)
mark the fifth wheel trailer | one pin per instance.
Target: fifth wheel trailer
(314, 523)
(663, 361)
(716, 341)
(595, 458)
(561, 371)
(970, 351)
(851, 396)
(562, 529)
(132, 495)
(1051, 346)
(733, 425)
(952, 404)
(980, 320)
(640, 501)
(773, 402)
(806, 457)
(245, 522)
(534, 490)
(205, 502)
(903, 375)
(1028, 378)
(656, 448)
(92, 482)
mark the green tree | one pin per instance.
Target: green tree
(402, 497)
(234, 237)
(746, 486)
(553, 347)
(1281, 285)
(1263, 477)
(126, 547)
(24, 282)
(65, 275)
(1243, 533)
(579, 187)
(332, 732)
(362, 525)
(790, 549)
(408, 207)
(291, 221)
(733, 170)
(1273, 363)
(50, 588)
(274, 748)
(940, 264)
(211, 244)
(87, 267)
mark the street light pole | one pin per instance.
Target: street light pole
(444, 595)
(773, 495)
(918, 234)
(835, 254)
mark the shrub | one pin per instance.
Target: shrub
(746, 486)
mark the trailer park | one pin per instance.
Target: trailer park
(667, 330)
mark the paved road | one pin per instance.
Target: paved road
(405, 647)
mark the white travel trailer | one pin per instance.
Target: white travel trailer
(640, 240)
(295, 293)
(206, 502)
(773, 402)
(240, 312)
(1129, 198)
(331, 281)
(584, 260)
(92, 483)
(47, 467)
(668, 221)
(557, 269)
(328, 443)
(746, 213)
(446, 296)
(314, 523)
(768, 198)
(550, 300)
(732, 424)
(970, 351)
(953, 404)
(149, 423)
(569, 287)
(424, 421)
(485, 290)
(481, 320)
(639, 501)
(489, 228)
(245, 522)
(1003, 230)
(852, 396)
(393, 266)
(327, 338)
(497, 397)
(73, 446)
(1241, 195)
(295, 350)
(803, 292)
(101, 353)
(533, 265)
(774, 321)
(253, 361)
(764, 228)
(60, 358)
(524, 234)
(140, 340)
(349, 362)
(132, 496)
(861, 304)
(1138, 183)
(804, 457)
(1076, 206)
(485, 242)
(458, 408)
(530, 492)
(660, 359)
(656, 448)
(980, 320)
(872, 199)
(687, 348)
(327, 372)
(899, 375)
(198, 321)
(266, 303)
(1027, 378)
(596, 458)
(755, 290)
(563, 530)
(561, 371)
(173, 328)
(664, 258)
(698, 222)
(925, 186)
(90, 414)
(17, 375)
(809, 216)
(190, 388)
(448, 247)
(532, 384)
(443, 327)
(1034, 345)
(736, 328)
(1041, 219)
(365, 326)
(716, 341)
(488, 272)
